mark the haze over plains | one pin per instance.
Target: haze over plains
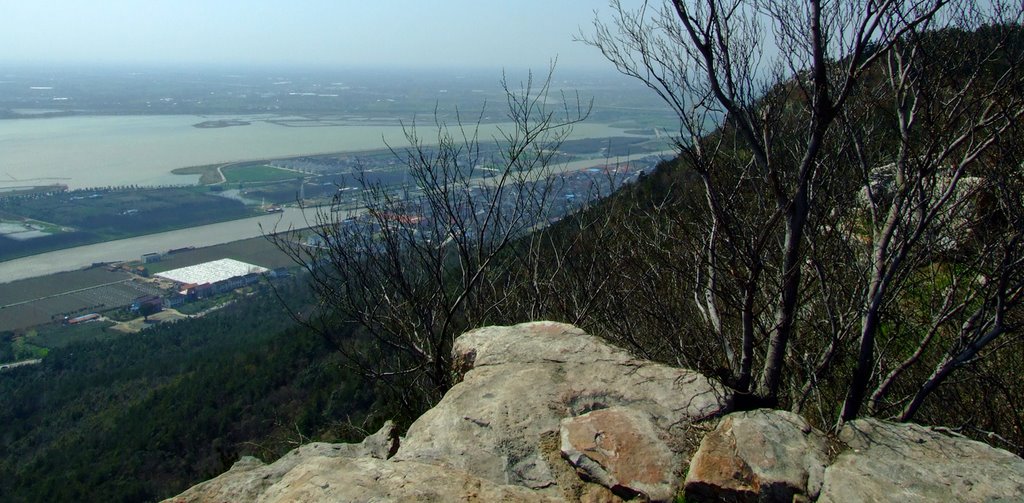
(313, 33)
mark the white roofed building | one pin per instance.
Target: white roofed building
(211, 272)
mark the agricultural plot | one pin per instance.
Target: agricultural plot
(115, 295)
(34, 288)
(107, 214)
(56, 336)
(25, 230)
(37, 301)
(55, 307)
(257, 173)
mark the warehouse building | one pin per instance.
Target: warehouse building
(211, 278)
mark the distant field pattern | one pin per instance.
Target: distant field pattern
(257, 173)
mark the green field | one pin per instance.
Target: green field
(99, 215)
(257, 173)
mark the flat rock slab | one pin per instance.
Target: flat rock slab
(903, 462)
(758, 456)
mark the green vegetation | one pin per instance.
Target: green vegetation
(210, 302)
(142, 417)
(245, 173)
(56, 335)
(236, 172)
(24, 348)
(93, 216)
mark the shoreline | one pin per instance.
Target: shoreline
(91, 151)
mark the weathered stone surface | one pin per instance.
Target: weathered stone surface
(761, 455)
(912, 463)
(249, 477)
(537, 394)
(536, 342)
(619, 448)
(520, 383)
(370, 479)
(573, 487)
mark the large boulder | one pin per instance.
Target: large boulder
(761, 455)
(902, 462)
(521, 382)
(544, 412)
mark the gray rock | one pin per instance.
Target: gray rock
(522, 381)
(761, 455)
(374, 480)
(911, 463)
(249, 477)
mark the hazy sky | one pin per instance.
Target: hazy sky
(400, 33)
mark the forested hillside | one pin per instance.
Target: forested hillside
(143, 416)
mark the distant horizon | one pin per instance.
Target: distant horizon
(312, 34)
(156, 66)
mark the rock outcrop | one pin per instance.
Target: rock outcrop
(911, 463)
(523, 381)
(620, 449)
(249, 477)
(546, 412)
(759, 455)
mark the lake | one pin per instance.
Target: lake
(98, 151)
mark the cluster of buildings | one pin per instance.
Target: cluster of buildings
(471, 209)
(209, 278)
(200, 281)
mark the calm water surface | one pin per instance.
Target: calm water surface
(97, 151)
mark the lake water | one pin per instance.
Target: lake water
(97, 151)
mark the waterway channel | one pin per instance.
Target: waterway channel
(133, 248)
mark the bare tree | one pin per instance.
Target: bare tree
(838, 148)
(417, 265)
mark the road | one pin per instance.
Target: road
(8, 366)
(133, 248)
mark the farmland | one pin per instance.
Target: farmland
(82, 217)
(30, 302)
(60, 302)
(258, 172)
